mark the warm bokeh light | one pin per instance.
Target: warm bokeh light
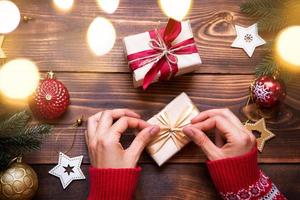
(64, 5)
(101, 36)
(9, 16)
(19, 78)
(288, 45)
(176, 9)
(108, 6)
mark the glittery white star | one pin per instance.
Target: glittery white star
(261, 92)
(68, 169)
(247, 39)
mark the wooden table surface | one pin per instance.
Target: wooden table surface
(57, 41)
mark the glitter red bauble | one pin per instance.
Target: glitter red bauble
(268, 92)
(50, 100)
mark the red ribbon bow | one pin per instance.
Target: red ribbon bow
(162, 54)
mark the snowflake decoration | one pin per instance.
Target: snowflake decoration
(261, 92)
(248, 38)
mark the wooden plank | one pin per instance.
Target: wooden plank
(57, 41)
(168, 182)
(282, 149)
(91, 93)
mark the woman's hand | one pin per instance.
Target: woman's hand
(103, 138)
(231, 137)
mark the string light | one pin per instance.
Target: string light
(9, 16)
(18, 78)
(101, 36)
(108, 6)
(176, 9)
(64, 5)
(288, 45)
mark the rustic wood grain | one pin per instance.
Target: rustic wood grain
(93, 92)
(285, 146)
(57, 41)
(189, 181)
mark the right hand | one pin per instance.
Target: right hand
(231, 137)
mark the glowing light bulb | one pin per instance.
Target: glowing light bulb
(109, 6)
(18, 78)
(9, 16)
(64, 5)
(176, 9)
(101, 36)
(288, 45)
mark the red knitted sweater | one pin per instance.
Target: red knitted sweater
(235, 178)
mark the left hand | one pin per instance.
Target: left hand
(103, 138)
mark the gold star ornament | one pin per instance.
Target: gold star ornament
(2, 54)
(265, 134)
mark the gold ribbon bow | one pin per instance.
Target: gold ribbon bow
(168, 130)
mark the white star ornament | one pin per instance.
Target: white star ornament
(68, 169)
(247, 39)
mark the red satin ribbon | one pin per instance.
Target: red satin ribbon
(167, 70)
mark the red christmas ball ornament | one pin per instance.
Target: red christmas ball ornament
(51, 99)
(267, 91)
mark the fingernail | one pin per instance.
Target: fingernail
(154, 130)
(188, 131)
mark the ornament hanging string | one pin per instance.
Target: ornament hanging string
(77, 124)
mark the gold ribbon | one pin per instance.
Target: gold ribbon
(167, 130)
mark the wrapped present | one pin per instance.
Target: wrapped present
(162, 54)
(172, 119)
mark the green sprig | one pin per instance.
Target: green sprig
(18, 137)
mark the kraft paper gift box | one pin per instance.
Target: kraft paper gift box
(176, 115)
(147, 49)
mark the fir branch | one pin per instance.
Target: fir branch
(262, 8)
(29, 140)
(270, 13)
(272, 23)
(17, 137)
(13, 124)
(267, 67)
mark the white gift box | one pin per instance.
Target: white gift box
(181, 108)
(140, 42)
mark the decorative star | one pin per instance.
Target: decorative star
(68, 169)
(247, 39)
(260, 126)
(2, 54)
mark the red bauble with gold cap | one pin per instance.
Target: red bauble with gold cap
(51, 99)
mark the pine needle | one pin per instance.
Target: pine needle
(17, 137)
(272, 16)
(269, 12)
(13, 124)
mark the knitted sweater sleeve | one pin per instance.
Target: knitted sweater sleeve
(240, 178)
(113, 184)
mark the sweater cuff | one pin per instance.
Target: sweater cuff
(114, 184)
(232, 174)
